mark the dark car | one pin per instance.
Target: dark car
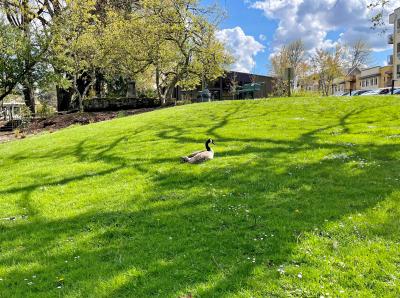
(359, 92)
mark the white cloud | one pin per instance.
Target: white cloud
(312, 20)
(243, 47)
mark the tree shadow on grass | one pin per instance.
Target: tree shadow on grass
(196, 231)
(201, 242)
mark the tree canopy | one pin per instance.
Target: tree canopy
(168, 42)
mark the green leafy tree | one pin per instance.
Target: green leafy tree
(170, 43)
(328, 65)
(126, 46)
(75, 48)
(20, 59)
(184, 50)
(30, 17)
(172, 40)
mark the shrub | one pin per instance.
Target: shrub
(26, 116)
(45, 110)
(183, 102)
(306, 93)
(122, 114)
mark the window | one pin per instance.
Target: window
(398, 23)
(398, 70)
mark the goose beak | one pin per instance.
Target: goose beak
(213, 142)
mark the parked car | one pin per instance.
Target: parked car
(370, 92)
(396, 92)
(381, 91)
(359, 92)
(385, 91)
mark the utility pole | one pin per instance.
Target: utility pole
(392, 90)
(288, 75)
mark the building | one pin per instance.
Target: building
(310, 83)
(11, 111)
(228, 86)
(346, 83)
(386, 76)
(375, 77)
(10, 116)
(394, 39)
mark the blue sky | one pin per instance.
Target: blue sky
(258, 27)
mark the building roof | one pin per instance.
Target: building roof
(248, 74)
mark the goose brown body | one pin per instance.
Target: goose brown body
(200, 156)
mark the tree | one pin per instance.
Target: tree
(233, 85)
(291, 55)
(328, 66)
(358, 54)
(127, 45)
(296, 57)
(75, 48)
(185, 50)
(20, 58)
(174, 40)
(13, 46)
(30, 18)
(378, 7)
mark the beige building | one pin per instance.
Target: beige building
(374, 78)
(394, 38)
(346, 83)
(386, 75)
(356, 79)
(310, 83)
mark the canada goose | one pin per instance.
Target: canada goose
(200, 156)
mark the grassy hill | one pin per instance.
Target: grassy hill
(302, 199)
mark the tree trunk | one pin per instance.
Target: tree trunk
(29, 97)
(64, 97)
(99, 86)
(158, 85)
(82, 97)
(170, 90)
(168, 94)
(80, 100)
(163, 100)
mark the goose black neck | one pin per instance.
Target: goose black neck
(207, 145)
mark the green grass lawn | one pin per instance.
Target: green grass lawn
(301, 200)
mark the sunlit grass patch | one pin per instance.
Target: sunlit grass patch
(302, 200)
